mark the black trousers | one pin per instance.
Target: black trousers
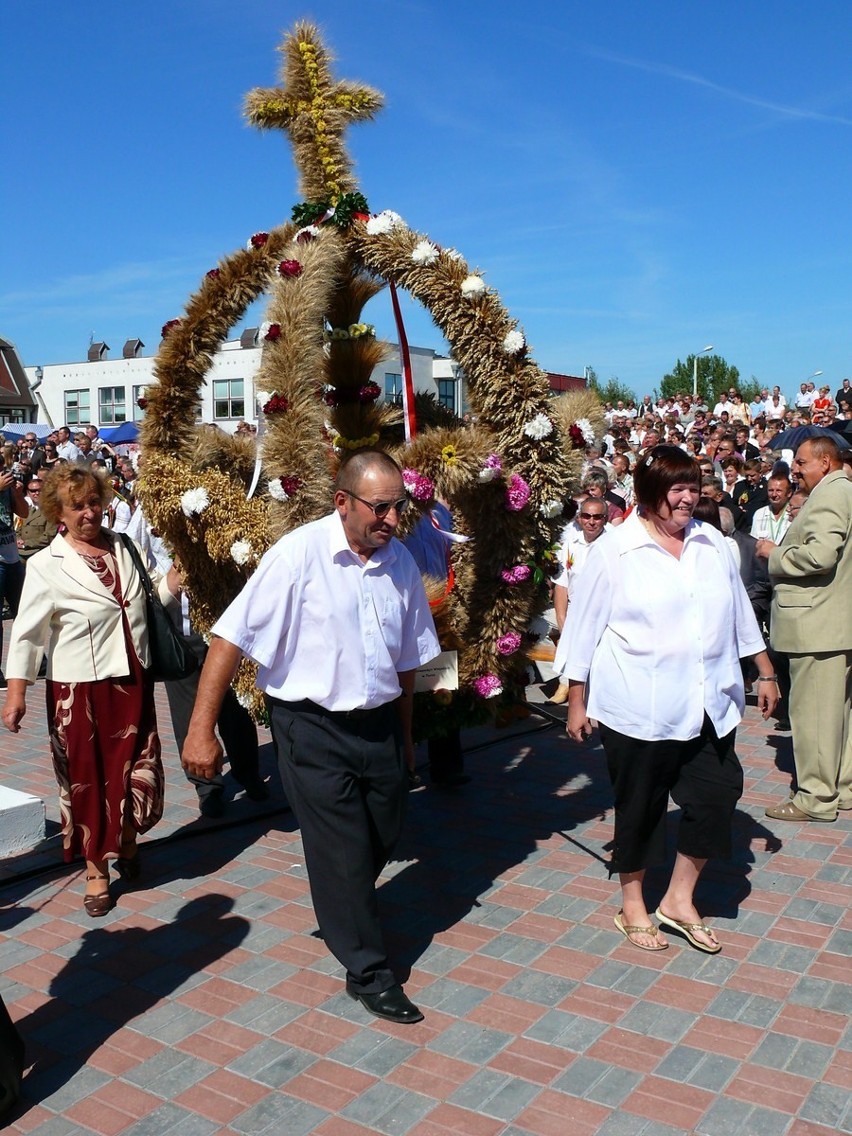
(344, 776)
(12, 1057)
(703, 776)
(236, 728)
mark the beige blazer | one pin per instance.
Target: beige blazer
(812, 573)
(65, 608)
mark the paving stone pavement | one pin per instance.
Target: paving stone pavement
(205, 1003)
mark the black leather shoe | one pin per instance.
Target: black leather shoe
(255, 789)
(392, 1005)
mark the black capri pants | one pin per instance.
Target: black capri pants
(702, 775)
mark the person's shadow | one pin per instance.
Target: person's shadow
(456, 845)
(115, 977)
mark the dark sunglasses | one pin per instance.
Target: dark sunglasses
(382, 508)
(593, 516)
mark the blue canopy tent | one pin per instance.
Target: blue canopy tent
(115, 435)
(14, 430)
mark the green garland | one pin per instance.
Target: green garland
(346, 206)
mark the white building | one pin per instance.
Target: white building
(106, 392)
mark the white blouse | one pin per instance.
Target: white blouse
(658, 640)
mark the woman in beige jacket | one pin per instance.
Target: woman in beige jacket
(83, 602)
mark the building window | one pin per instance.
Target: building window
(447, 393)
(112, 406)
(229, 398)
(78, 408)
(138, 412)
(393, 388)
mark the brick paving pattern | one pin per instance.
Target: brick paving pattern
(205, 1003)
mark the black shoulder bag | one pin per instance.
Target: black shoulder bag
(171, 656)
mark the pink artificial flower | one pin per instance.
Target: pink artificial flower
(418, 485)
(488, 686)
(517, 574)
(517, 494)
(509, 643)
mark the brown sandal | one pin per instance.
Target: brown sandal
(98, 905)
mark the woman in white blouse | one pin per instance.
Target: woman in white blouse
(651, 650)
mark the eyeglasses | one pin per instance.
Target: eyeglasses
(382, 508)
(593, 516)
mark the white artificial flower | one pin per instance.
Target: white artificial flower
(424, 252)
(550, 509)
(454, 254)
(588, 433)
(472, 286)
(263, 397)
(383, 222)
(241, 552)
(264, 328)
(514, 342)
(277, 491)
(495, 692)
(538, 427)
(488, 473)
(194, 501)
(246, 701)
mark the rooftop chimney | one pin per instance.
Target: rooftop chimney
(132, 348)
(98, 351)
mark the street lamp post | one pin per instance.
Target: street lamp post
(703, 351)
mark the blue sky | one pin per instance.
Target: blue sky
(637, 181)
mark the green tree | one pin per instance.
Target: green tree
(613, 391)
(714, 376)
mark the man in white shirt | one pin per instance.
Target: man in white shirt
(771, 521)
(66, 448)
(338, 621)
(805, 398)
(578, 538)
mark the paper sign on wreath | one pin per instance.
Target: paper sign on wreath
(441, 674)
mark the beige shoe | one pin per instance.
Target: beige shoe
(559, 695)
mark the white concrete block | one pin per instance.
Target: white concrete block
(21, 821)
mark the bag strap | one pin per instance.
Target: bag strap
(133, 552)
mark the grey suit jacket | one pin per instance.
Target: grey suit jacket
(812, 573)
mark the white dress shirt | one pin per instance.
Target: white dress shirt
(764, 523)
(658, 640)
(324, 625)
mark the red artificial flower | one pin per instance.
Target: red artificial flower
(289, 268)
(213, 274)
(291, 484)
(168, 327)
(278, 404)
(274, 331)
(258, 240)
(305, 236)
(369, 392)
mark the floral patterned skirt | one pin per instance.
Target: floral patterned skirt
(106, 757)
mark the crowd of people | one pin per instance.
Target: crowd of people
(666, 622)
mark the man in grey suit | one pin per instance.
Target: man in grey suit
(812, 622)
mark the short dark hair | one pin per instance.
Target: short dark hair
(658, 470)
(355, 465)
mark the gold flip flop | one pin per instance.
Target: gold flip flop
(689, 929)
(627, 930)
